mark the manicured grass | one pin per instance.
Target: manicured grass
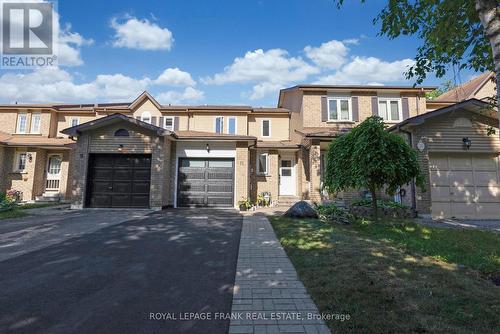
(17, 212)
(397, 277)
(12, 214)
(37, 205)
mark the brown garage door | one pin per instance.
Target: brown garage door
(465, 186)
(205, 182)
(119, 181)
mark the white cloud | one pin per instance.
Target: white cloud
(364, 70)
(188, 96)
(58, 85)
(141, 34)
(330, 55)
(175, 77)
(269, 69)
(69, 47)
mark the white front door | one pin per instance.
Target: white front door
(287, 176)
(53, 172)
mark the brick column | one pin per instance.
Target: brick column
(157, 173)
(241, 170)
(80, 172)
(3, 172)
(314, 165)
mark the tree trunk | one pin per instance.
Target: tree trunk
(373, 192)
(489, 14)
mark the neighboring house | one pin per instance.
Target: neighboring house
(33, 160)
(458, 148)
(482, 87)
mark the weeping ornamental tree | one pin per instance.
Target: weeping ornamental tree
(369, 157)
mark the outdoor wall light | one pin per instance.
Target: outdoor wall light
(30, 157)
(208, 148)
(467, 142)
(120, 147)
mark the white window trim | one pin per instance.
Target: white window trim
(267, 164)
(262, 128)
(15, 168)
(71, 121)
(235, 124)
(39, 123)
(215, 124)
(144, 115)
(337, 99)
(19, 123)
(165, 122)
(48, 163)
(386, 100)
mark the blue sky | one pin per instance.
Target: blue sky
(214, 52)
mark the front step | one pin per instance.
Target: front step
(48, 197)
(287, 200)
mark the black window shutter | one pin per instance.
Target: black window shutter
(324, 109)
(375, 106)
(153, 120)
(406, 108)
(176, 123)
(355, 109)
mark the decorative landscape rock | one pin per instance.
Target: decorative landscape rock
(301, 209)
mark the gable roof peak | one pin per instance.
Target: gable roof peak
(143, 96)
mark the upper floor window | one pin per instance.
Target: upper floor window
(168, 123)
(74, 121)
(219, 124)
(146, 117)
(339, 109)
(35, 122)
(22, 121)
(231, 125)
(390, 109)
(266, 128)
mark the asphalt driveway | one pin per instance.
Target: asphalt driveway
(116, 279)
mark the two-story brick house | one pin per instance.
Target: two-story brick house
(190, 155)
(144, 154)
(319, 113)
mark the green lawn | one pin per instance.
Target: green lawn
(397, 277)
(17, 212)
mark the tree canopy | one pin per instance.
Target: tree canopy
(450, 30)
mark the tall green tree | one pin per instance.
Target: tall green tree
(461, 33)
(369, 157)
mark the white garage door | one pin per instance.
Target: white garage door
(465, 186)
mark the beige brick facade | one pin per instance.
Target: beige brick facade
(304, 111)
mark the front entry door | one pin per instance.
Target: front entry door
(287, 177)
(53, 172)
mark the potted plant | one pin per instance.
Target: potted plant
(245, 204)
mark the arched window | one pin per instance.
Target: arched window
(146, 117)
(121, 133)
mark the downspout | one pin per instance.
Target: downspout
(413, 186)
